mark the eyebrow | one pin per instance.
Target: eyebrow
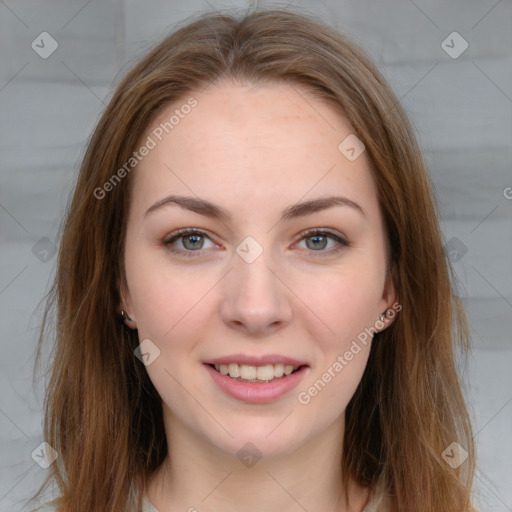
(209, 209)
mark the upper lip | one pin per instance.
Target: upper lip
(256, 360)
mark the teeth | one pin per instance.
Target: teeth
(234, 370)
(278, 370)
(265, 372)
(247, 372)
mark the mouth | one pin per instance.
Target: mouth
(256, 374)
(256, 384)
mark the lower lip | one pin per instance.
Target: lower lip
(255, 392)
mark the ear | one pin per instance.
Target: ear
(125, 305)
(390, 303)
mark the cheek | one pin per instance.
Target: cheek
(341, 355)
(344, 302)
(333, 389)
(165, 306)
(159, 297)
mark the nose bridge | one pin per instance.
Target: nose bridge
(256, 298)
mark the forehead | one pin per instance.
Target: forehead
(252, 147)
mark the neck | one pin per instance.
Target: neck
(197, 475)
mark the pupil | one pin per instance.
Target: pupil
(318, 237)
(194, 244)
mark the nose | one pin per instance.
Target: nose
(257, 301)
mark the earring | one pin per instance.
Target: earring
(383, 316)
(127, 320)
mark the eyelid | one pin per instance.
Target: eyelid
(340, 239)
(322, 231)
(182, 232)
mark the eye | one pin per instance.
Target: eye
(192, 241)
(318, 241)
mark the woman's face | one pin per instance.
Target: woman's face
(252, 287)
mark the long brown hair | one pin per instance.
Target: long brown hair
(102, 413)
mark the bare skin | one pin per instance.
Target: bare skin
(254, 151)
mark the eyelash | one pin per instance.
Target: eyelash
(180, 233)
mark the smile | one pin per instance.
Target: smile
(262, 384)
(249, 373)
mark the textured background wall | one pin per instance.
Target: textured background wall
(461, 106)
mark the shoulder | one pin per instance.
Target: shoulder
(386, 505)
(53, 506)
(49, 507)
(379, 500)
(376, 501)
(380, 504)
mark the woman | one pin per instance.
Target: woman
(254, 305)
